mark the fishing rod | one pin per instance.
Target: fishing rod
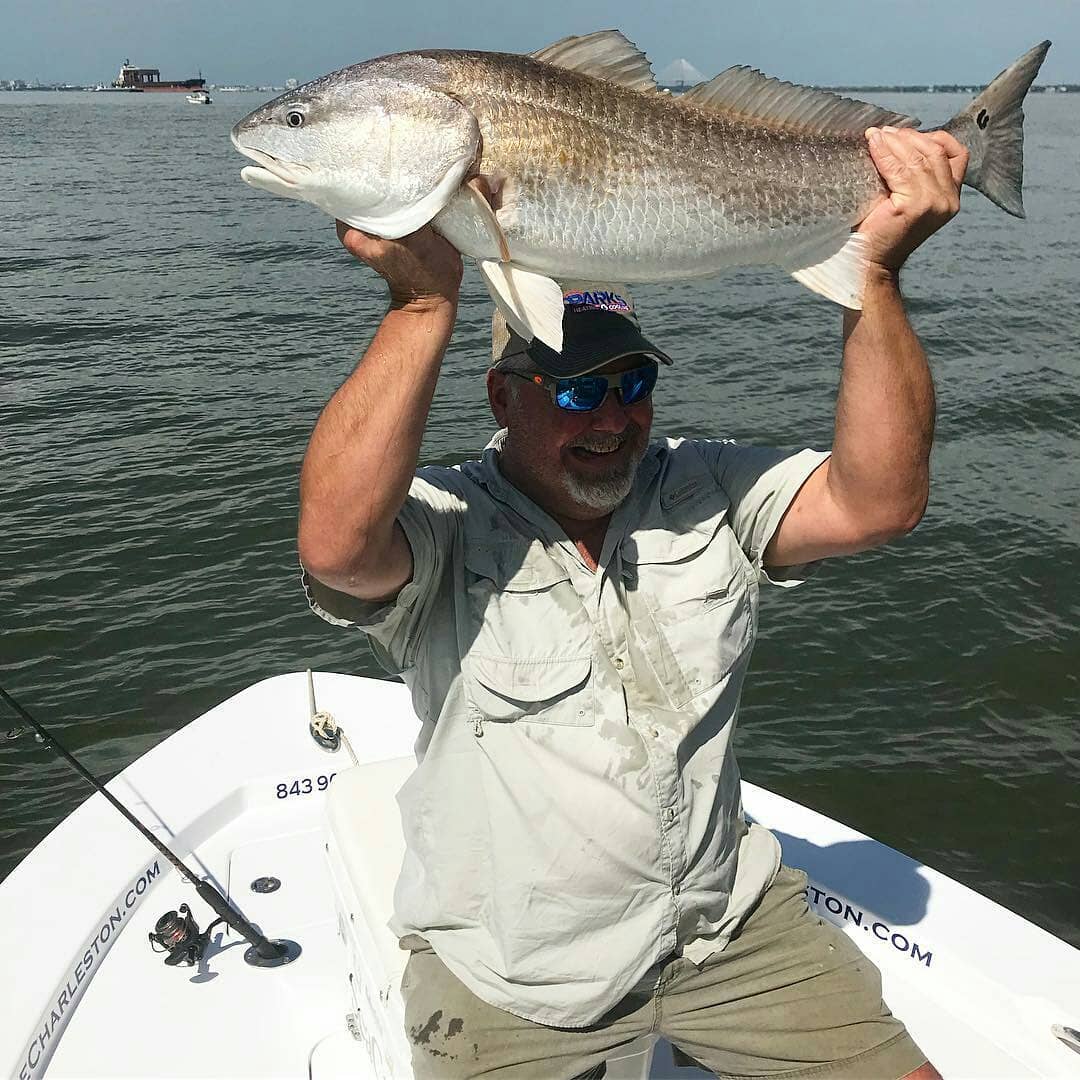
(176, 932)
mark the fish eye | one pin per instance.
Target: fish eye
(294, 118)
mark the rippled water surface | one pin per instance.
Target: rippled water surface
(168, 336)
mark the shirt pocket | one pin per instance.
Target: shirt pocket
(530, 657)
(692, 580)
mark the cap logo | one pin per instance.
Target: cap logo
(598, 300)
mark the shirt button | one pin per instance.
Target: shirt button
(653, 733)
(669, 814)
(676, 888)
(618, 663)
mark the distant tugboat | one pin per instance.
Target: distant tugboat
(149, 80)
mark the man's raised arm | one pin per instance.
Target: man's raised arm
(364, 449)
(875, 485)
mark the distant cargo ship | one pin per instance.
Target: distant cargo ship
(134, 79)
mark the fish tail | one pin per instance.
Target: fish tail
(992, 129)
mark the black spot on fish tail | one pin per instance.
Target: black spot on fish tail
(423, 1034)
(454, 1027)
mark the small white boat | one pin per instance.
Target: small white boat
(307, 845)
(200, 97)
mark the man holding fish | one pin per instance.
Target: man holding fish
(574, 614)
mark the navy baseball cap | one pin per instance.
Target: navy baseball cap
(599, 325)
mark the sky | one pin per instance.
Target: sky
(267, 41)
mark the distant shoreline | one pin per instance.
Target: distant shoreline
(939, 88)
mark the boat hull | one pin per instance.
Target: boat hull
(242, 793)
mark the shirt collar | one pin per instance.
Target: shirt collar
(488, 475)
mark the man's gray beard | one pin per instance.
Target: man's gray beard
(602, 492)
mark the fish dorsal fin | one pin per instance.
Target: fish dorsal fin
(606, 54)
(745, 94)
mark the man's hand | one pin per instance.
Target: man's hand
(422, 269)
(923, 171)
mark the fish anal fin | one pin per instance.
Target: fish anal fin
(605, 54)
(746, 94)
(839, 276)
(532, 304)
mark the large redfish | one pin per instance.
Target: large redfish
(599, 176)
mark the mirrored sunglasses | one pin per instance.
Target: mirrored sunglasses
(586, 393)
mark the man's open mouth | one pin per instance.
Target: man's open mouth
(598, 447)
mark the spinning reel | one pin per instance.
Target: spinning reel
(177, 934)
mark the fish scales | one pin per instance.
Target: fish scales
(639, 186)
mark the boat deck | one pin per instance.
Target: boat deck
(240, 794)
(253, 1022)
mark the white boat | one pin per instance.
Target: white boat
(307, 845)
(200, 97)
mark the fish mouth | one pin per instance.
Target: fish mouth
(290, 173)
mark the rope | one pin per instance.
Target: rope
(323, 723)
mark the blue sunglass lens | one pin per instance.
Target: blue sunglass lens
(638, 384)
(587, 392)
(582, 394)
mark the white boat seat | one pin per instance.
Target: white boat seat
(365, 829)
(365, 848)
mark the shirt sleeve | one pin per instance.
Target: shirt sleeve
(431, 520)
(761, 483)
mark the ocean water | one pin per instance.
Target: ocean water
(168, 337)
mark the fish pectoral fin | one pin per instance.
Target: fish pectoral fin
(841, 276)
(605, 54)
(743, 93)
(476, 189)
(532, 304)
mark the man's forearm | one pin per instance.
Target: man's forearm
(879, 470)
(364, 449)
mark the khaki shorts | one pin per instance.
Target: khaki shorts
(791, 996)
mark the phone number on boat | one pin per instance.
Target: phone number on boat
(305, 785)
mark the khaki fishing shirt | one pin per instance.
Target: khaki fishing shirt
(575, 815)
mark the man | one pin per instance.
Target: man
(574, 616)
